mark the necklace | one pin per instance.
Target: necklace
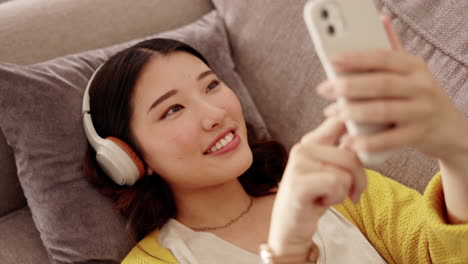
(228, 223)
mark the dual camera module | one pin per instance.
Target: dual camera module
(325, 15)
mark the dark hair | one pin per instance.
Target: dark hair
(149, 203)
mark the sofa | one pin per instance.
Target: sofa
(271, 58)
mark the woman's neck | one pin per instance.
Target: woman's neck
(212, 206)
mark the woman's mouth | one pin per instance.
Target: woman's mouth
(225, 144)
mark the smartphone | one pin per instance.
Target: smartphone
(338, 26)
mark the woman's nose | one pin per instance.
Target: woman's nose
(213, 116)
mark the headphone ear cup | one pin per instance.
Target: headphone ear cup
(119, 161)
(131, 153)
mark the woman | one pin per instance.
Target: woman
(211, 197)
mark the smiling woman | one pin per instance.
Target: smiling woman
(162, 99)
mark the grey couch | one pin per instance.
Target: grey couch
(272, 53)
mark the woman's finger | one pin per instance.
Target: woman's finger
(334, 187)
(391, 33)
(377, 111)
(329, 132)
(325, 158)
(323, 189)
(367, 86)
(394, 138)
(348, 162)
(376, 60)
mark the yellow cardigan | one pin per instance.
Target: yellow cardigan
(403, 226)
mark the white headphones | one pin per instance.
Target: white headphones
(115, 157)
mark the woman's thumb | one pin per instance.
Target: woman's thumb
(329, 132)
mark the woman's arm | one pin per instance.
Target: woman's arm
(405, 226)
(455, 181)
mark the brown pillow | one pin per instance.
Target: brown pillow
(41, 119)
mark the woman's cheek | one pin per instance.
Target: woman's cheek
(182, 142)
(233, 105)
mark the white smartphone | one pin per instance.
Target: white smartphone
(338, 26)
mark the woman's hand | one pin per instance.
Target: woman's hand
(398, 88)
(318, 175)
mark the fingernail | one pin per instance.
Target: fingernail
(383, 16)
(339, 60)
(331, 110)
(325, 88)
(357, 146)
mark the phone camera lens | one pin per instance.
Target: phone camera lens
(331, 29)
(324, 13)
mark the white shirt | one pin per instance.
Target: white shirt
(339, 242)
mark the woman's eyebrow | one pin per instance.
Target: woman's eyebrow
(161, 99)
(204, 74)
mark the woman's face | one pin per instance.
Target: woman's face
(188, 124)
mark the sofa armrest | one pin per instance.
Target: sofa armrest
(35, 30)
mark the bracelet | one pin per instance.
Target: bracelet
(268, 256)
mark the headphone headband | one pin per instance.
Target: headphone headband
(85, 106)
(93, 137)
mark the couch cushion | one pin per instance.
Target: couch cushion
(20, 241)
(42, 122)
(440, 23)
(279, 65)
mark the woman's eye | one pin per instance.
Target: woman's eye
(172, 110)
(212, 85)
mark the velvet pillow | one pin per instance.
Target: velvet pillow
(279, 65)
(41, 119)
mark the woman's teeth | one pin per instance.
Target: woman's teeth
(222, 142)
